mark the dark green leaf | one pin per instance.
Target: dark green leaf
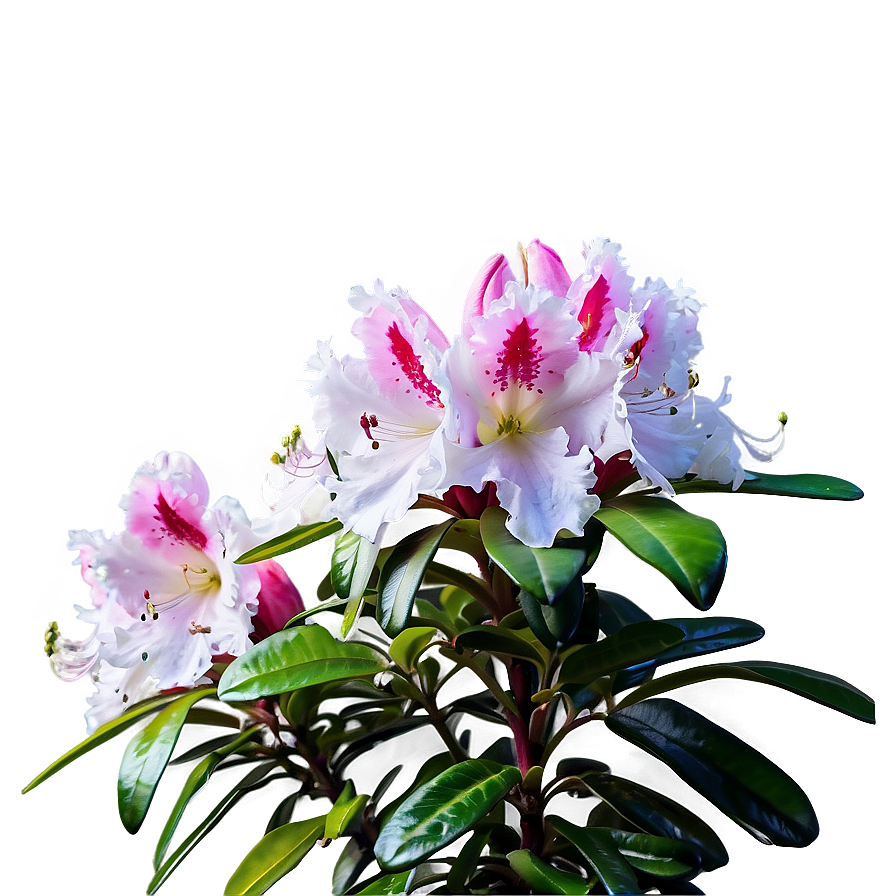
(402, 575)
(740, 781)
(500, 641)
(700, 636)
(577, 766)
(290, 541)
(657, 856)
(543, 572)
(334, 604)
(433, 766)
(201, 750)
(283, 813)
(293, 659)
(385, 783)
(798, 485)
(635, 643)
(818, 686)
(655, 813)
(555, 624)
(440, 811)
(105, 732)
(351, 863)
(688, 549)
(362, 745)
(146, 757)
(196, 780)
(600, 851)
(274, 856)
(465, 863)
(388, 884)
(351, 565)
(545, 878)
(616, 611)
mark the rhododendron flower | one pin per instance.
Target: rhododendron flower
(529, 408)
(383, 415)
(166, 595)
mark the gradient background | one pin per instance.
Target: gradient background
(189, 190)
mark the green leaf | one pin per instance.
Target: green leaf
(688, 549)
(616, 611)
(655, 813)
(105, 732)
(433, 766)
(334, 604)
(701, 636)
(543, 572)
(345, 812)
(351, 863)
(402, 574)
(274, 856)
(657, 856)
(555, 624)
(409, 644)
(440, 811)
(350, 617)
(545, 878)
(257, 778)
(146, 757)
(388, 884)
(500, 641)
(290, 541)
(351, 565)
(283, 813)
(361, 745)
(633, 644)
(600, 851)
(799, 485)
(296, 658)
(196, 780)
(745, 785)
(465, 863)
(817, 686)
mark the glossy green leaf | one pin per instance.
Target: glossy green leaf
(384, 784)
(745, 785)
(688, 549)
(817, 686)
(409, 644)
(440, 811)
(199, 776)
(402, 575)
(657, 856)
(388, 884)
(616, 611)
(442, 574)
(257, 778)
(353, 612)
(543, 572)
(701, 636)
(351, 565)
(635, 643)
(799, 485)
(655, 813)
(433, 766)
(465, 863)
(555, 624)
(350, 865)
(296, 658)
(500, 641)
(599, 849)
(146, 757)
(345, 813)
(290, 541)
(545, 878)
(334, 604)
(104, 732)
(576, 765)
(283, 813)
(274, 856)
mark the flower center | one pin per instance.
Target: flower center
(412, 367)
(199, 581)
(520, 359)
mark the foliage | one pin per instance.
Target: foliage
(542, 653)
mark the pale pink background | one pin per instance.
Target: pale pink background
(190, 189)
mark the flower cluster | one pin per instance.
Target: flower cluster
(557, 391)
(167, 598)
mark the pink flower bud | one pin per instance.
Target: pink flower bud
(278, 600)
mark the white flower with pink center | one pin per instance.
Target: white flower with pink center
(383, 415)
(166, 596)
(528, 408)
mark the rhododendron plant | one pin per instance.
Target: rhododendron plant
(568, 408)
